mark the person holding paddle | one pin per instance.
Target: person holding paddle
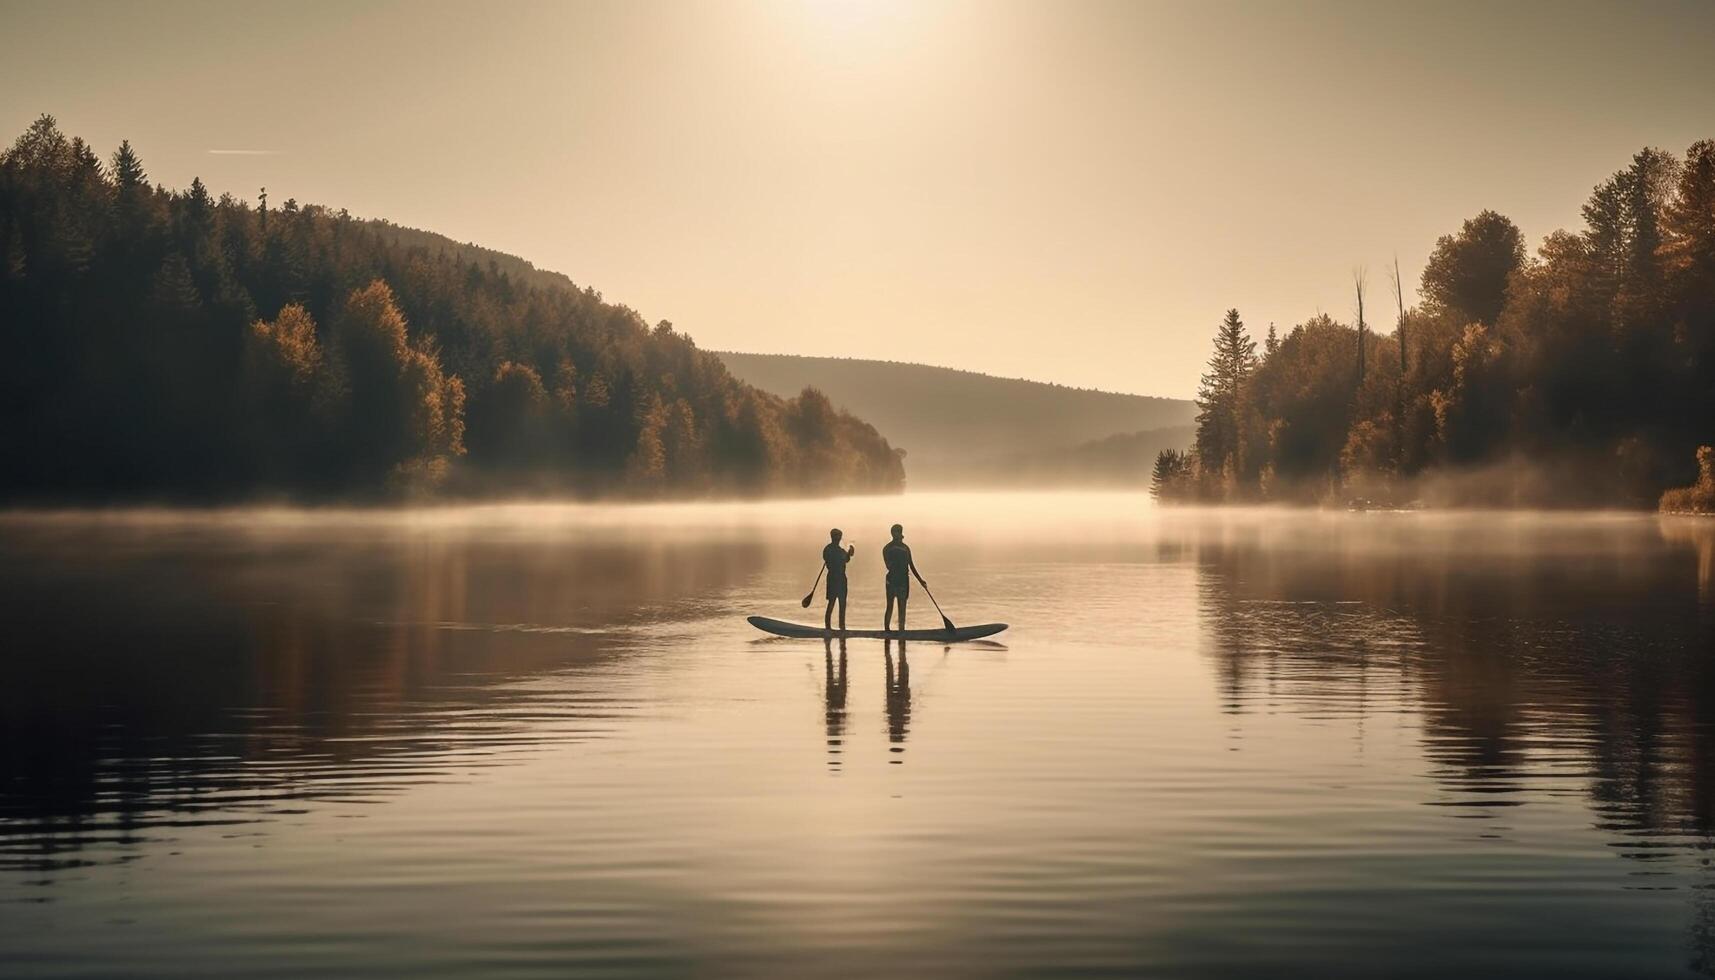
(896, 554)
(834, 560)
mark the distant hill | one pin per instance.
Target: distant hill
(1120, 461)
(172, 346)
(946, 419)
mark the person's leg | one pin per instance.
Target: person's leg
(887, 618)
(842, 612)
(828, 614)
(902, 601)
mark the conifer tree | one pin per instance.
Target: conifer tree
(127, 168)
(1220, 396)
(1167, 478)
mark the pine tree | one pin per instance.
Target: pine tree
(39, 146)
(1166, 481)
(1220, 396)
(174, 291)
(199, 207)
(1272, 343)
(127, 168)
(1689, 217)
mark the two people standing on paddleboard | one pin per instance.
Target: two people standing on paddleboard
(895, 555)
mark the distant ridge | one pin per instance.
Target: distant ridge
(946, 418)
(1119, 461)
(467, 253)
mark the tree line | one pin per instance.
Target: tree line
(1581, 375)
(174, 345)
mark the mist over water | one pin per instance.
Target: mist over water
(539, 739)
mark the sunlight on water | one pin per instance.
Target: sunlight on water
(534, 739)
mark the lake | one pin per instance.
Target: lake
(540, 740)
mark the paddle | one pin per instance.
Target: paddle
(944, 620)
(812, 593)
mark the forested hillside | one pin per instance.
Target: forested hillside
(174, 345)
(946, 418)
(1584, 374)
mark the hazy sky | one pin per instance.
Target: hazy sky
(1073, 192)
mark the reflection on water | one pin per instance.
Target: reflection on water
(898, 698)
(542, 740)
(221, 680)
(834, 692)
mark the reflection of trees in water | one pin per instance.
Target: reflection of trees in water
(1589, 646)
(1699, 533)
(164, 682)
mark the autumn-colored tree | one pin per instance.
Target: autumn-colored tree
(288, 398)
(1699, 498)
(511, 424)
(401, 413)
(646, 467)
(1467, 273)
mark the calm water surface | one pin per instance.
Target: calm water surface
(543, 741)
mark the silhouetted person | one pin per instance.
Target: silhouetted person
(896, 554)
(898, 698)
(835, 558)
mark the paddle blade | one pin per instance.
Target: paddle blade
(806, 602)
(947, 623)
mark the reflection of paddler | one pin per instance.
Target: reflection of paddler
(896, 555)
(898, 697)
(834, 695)
(834, 559)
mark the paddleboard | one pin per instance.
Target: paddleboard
(782, 628)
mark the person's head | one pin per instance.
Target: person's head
(898, 532)
(835, 535)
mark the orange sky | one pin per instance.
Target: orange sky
(1072, 192)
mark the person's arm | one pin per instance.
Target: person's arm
(915, 572)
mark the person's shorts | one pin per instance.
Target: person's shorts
(836, 588)
(900, 589)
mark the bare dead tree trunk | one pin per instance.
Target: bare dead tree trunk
(1399, 387)
(1358, 284)
(1399, 327)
